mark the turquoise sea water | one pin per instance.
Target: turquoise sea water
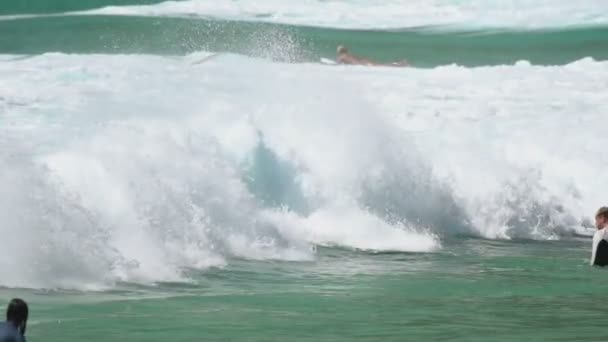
(475, 290)
(423, 47)
(190, 171)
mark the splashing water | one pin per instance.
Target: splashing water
(134, 168)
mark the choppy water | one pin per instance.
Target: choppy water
(190, 170)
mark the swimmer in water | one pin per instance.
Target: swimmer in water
(345, 57)
(599, 252)
(13, 329)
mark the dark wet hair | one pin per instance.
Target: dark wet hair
(17, 311)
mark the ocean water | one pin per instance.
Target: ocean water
(191, 171)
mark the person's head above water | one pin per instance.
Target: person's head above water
(601, 217)
(17, 312)
(341, 49)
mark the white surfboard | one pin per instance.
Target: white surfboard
(328, 61)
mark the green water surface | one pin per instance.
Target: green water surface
(422, 47)
(472, 290)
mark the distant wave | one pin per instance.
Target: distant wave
(381, 14)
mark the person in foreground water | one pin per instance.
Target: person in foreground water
(13, 330)
(345, 57)
(599, 253)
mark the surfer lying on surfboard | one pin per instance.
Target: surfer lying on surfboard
(345, 57)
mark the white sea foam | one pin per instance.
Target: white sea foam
(388, 14)
(132, 168)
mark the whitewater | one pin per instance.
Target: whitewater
(135, 168)
(377, 14)
(201, 170)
